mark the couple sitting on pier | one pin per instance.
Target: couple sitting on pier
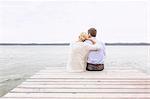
(87, 53)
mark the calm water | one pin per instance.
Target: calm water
(19, 62)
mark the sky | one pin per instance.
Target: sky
(45, 21)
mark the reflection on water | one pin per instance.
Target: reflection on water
(19, 62)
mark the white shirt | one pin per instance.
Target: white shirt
(96, 57)
(78, 56)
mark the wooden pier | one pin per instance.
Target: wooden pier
(112, 83)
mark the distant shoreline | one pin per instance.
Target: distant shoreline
(66, 44)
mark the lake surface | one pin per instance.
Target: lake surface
(20, 62)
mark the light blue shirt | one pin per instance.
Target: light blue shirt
(96, 57)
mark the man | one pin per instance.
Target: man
(95, 61)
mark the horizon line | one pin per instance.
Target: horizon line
(141, 43)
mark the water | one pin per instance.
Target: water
(19, 62)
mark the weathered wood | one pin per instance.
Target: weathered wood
(83, 80)
(84, 86)
(102, 90)
(63, 70)
(91, 76)
(56, 83)
(79, 95)
(73, 98)
(110, 68)
(86, 82)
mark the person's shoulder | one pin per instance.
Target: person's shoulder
(101, 42)
(88, 42)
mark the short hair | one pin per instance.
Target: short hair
(92, 32)
(81, 36)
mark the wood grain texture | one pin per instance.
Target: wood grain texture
(56, 83)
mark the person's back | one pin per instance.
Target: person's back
(96, 57)
(95, 60)
(78, 54)
(76, 57)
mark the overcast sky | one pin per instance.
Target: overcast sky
(61, 21)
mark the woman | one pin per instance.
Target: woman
(78, 53)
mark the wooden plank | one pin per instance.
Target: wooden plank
(123, 68)
(86, 72)
(80, 82)
(60, 70)
(84, 86)
(33, 90)
(84, 80)
(100, 72)
(112, 68)
(118, 69)
(64, 71)
(78, 95)
(94, 74)
(73, 98)
(106, 66)
(112, 83)
(91, 76)
(127, 72)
